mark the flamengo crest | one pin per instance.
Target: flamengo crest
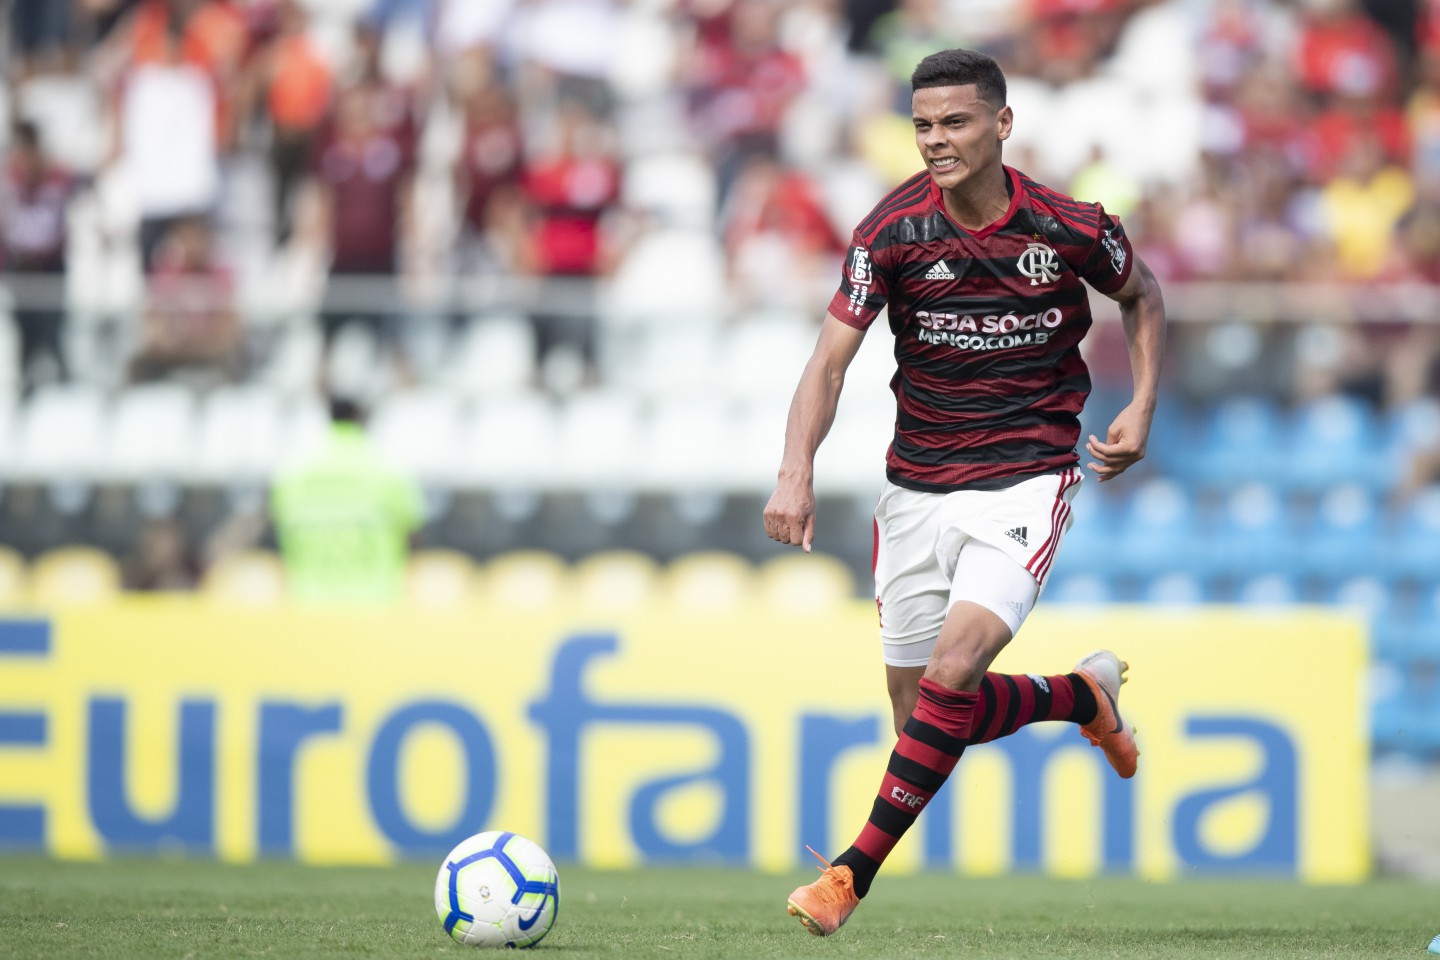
(1040, 264)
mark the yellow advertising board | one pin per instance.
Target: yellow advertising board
(176, 725)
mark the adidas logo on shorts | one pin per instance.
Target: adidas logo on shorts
(1018, 534)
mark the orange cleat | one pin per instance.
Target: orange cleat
(1105, 672)
(825, 905)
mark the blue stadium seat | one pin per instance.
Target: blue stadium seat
(1172, 446)
(1089, 546)
(1078, 588)
(1178, 589)
(1408, 627)
(1408, 429)
(1238, 441)
(1374, 600)
(1406, 717)
(1254, 534)
(1159, 532)
(1411, 542)
(1334, 439)
(1343, 538)
(1387, 707)
(1268, 590)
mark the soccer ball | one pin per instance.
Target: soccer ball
(497, 889)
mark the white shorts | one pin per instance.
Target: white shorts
(991, 547)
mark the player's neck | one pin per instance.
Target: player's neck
(979, 202)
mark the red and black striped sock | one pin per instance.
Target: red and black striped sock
(1010, 701)
(929, 747)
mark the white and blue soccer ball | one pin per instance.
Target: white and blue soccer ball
(497, 889)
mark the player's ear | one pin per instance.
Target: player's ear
(1004, 120)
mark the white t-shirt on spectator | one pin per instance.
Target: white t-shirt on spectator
(168, 130)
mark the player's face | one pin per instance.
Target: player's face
(958, 134)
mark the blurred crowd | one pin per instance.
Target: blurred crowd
(223, 159)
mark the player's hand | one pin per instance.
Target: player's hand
(790, 514)
(1124, 444)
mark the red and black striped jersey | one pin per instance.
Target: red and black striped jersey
(989, 380)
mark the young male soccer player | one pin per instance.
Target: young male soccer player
(982, 270)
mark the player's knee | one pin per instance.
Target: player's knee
(959, 668)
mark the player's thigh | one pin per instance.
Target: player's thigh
(989, 577)
(990, 597)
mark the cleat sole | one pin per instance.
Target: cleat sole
(805, 919)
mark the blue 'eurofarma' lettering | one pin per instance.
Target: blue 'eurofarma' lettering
(565, 714)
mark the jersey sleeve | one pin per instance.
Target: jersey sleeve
(864, 285)
(1107, 265)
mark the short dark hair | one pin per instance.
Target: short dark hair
(959, 68)
(27, 134)
(346, 410)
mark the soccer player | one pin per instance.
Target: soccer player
(981, 269)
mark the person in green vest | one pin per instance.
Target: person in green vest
(345, 518)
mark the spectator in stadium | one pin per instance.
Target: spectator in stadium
(983, 271)
(191, 324)
(487, 168)
(1422, 118)
(741, 83)
(1362, 207)
(345, 518)
(1068, 38)
(391, 105)
(168, 128)
(161, 560)
(778, 238)
(1348, 120)
(1341, 50)
(914, 28)
(1103, 181)
(40, 30)
(360, 203)
(34, 198)
(293, 82)
(1206, 225)
(210, 35)
(1270, 117)
(570, 186)
(358, 210)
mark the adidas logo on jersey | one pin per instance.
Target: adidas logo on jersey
(939, 272)
(1018, 534)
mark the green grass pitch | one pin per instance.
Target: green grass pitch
(153, 910)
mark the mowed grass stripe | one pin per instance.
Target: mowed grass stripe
(162, 909)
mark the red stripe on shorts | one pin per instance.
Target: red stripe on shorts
(1065, 511)
(1065, 482)
(1044, 570)
(875, 547)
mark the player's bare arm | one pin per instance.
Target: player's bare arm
(1142, 311)
(790, 514)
